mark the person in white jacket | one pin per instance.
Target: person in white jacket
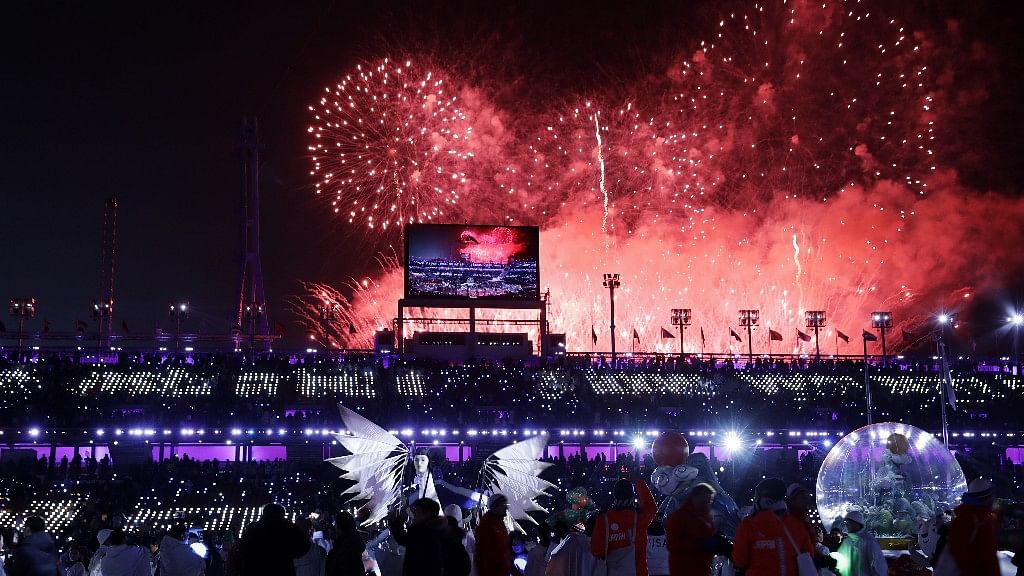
(176, 557)
(124, 560)
(95, 562)
(862, 550)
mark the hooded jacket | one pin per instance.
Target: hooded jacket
(685, 528)
(177, 559)
(36, 555)
(123, 560)
(493, 547)
(762, 547)
(620, 526)
(972, 540)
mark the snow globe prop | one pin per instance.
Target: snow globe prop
(896, 474)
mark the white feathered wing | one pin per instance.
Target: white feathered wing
(514, 471)
(376, 464)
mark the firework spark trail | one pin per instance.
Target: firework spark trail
(604, 191)
(819, 118)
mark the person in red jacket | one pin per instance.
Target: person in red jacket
(493, 545)
(691, 531)
(624, 527)
(763, 547)
(972, 533)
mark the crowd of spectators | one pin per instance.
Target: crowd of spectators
(652, 392)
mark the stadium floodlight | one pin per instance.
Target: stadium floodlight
(22, 308)
(611, 282)
(1016, 320)
(682, 317)
(882, 321)
(178, 311)
(733, 443)
(750, 318)
(816, 320)
(639, 443)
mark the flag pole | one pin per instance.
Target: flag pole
(942, 392)
(837, 345)
(867, 380)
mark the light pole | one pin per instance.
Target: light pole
(328, 311)
(101, 312)
(749, 319)
(681, 317)
(816, 320)
(178, 311)
(611, 282)
(21, 308)
(1016, 320)
(882, 321)
(253, 313)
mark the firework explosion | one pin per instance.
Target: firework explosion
(790, 162)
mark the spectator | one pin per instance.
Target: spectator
(972, 533)
(94, 563)
(537, 558)
(620, 534)
(314, 561)
(570, 552)
(493, 545)
(124, 560)
(346, 555)
(76, 561)
(861, 549)
(769, 541)
(176, 557)
(422, 539)
(36, 554)
(692, 544)
(657, 549)
(454, 514)
(270, 545)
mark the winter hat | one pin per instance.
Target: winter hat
(624, 490)
(102, 535)
(495, 500)
(855, 516)
(771, 488)
(795, 488)
(978, 491)
(453, 511)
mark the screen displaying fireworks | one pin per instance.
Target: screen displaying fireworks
(497, 262)
(793, 157)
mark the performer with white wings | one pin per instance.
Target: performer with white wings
(378, 462)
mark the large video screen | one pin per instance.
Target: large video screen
(453, 261)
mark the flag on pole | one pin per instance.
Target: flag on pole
(702, 335)
(803, 337)
(124, 326)
(666, 334)
(909, 336)
(842, 336)
(593, 334)
(773, 335)
(869, 336)
(947, 381)
(636, 336)
(734, 335)
(81, 325)
(351, 328)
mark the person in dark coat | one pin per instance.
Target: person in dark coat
(423, 539)
(36, 554)
(270, 545)
(346, 556)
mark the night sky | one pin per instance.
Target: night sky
(144, 101)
